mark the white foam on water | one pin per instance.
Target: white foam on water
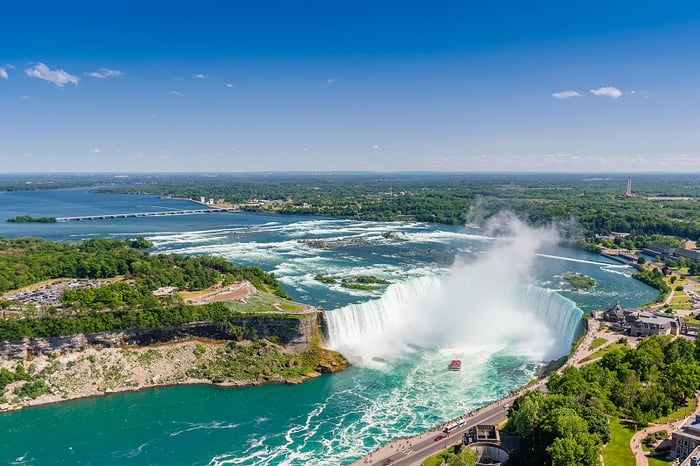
(480, 302)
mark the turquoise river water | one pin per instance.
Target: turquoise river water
(499, 305)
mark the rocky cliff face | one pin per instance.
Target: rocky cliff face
(297, 331)
(289, 331)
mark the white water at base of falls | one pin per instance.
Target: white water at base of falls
(428, 311)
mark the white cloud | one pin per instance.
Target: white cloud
(58, 77)
(199, 76)
(566, 94)
(607, 91)
(230, 85)
(95, 150)
(644, 94)
(3, 73)
(176, 92)
(105, 73)
(376, 146)
(330, 81)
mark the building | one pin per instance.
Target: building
(613, 314)
(485, 441)
(640, 323)
(693, 459)
(666, 251)
(481, 433)
(644, 324)
(686, 438)
(688, 254)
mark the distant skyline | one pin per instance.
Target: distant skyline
(463, 86)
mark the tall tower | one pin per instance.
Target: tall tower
(628, 193)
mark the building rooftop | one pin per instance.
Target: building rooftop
(690, 428)
(656, 319)
(693, 458)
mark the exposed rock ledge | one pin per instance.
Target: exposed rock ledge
(296, 331)
(96, 364)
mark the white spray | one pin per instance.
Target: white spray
(478, 304)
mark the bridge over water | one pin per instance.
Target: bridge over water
(164, 213)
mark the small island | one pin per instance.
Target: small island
(361, 282)
(579, 281)
(325, 279)
(30, 219)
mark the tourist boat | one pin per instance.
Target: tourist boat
(456, 365)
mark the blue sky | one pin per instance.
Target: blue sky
(125, 86)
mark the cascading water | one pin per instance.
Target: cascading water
(377, 326)
(427, 311)
(561, 315)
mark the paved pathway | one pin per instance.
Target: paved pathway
(636, 441)
(414, 450)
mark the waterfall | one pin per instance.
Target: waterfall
(439, 311)
(561, 315)
(354, 324)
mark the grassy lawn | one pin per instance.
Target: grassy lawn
(691, 320)
(618, 452)
(680, 412)
(437, 458)
(659, 461)
(680, 300)
(264, 302)
(603, 351)
(596, 343)
(676, 282)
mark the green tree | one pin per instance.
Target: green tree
(465, 457)
(581, 450)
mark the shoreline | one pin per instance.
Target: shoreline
(95, 372)
(222, 385)
(410, 445)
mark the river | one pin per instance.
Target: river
(499, 305)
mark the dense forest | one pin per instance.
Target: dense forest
(126, 303)
(24, 261)
(570, 424)
(585, 206)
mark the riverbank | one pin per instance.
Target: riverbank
(100, 371)
(412, 450)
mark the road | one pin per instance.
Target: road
(414, 450)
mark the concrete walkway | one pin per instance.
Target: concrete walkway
(636, 441)
(413, 450)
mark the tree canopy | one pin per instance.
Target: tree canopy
(570, 424)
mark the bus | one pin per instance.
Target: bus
(454, 426)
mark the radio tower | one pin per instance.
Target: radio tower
(628, 192)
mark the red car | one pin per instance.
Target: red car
(439, 437)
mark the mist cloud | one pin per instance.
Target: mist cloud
(478, 303)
